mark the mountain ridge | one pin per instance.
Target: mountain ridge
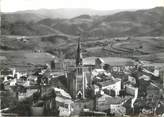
(125, 23)
(66, 12)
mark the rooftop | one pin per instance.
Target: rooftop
(66, 101)
(113, 100)
(61, 92)
(108, 82)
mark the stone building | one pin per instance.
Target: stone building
(77, 79)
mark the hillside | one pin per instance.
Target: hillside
(26, 28)
(129, 23)
(63, 13)
(23, 17)
(138, 34)
(67, 13)
(136, 23)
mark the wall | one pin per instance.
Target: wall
(116, 87)
(131, 90)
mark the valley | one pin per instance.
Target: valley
(43, 49)
(127, 34)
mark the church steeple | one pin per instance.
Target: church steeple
(79, 58)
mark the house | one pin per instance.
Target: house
(117, 109)
(111, 85)
(145, 77)
(160, 109)
(96, 72)
(61, 101)
(54, 101)
(153, 90)
(64, 106)
(23, 95)
(58, 80)
(8, 72)
(103, 80)
(105, 102)
(131, 79)
(32, 79)
(99, 63)
(62, 93)
(131, 90)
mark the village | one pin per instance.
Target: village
(84, 88)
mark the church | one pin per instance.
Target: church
(77, 77)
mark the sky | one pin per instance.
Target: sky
(17, 5)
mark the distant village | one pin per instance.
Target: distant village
(83, 89)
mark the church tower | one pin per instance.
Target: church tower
(80, 77)
(79, 57)
(77, 81)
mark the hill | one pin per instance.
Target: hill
(137, 34)
(26, 28)
(63, 13)
(23, 17)
(129, 23)
(67, 13)
(137, 23)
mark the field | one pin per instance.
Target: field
(24, 60)
(145, 48)
(34, 50)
